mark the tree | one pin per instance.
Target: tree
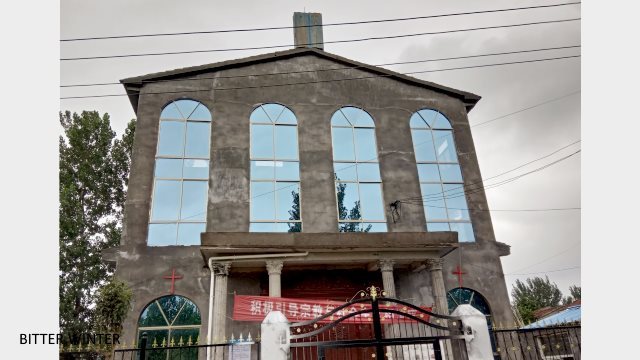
(344, 213)
(575, 292)
(533, 294)
(94, 168)
(294, 213)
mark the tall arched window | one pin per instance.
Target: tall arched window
(357, 172)
(443, 197)
(179, 205)
(275, 170)
(170, 319)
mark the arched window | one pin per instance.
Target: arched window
(179, 206)
(443, 197)
(357, 172)
(170, 318)
(462, 296)
(275, 170)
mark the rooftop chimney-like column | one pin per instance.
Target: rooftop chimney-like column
(307, 30)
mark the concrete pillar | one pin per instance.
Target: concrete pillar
(275, 337)
(478, 343)
(274, 268)
(221, 272)
(389, 285)
(437, 281)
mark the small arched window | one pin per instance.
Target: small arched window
(275, 170)
(441, 184)
(179, 202)
(168, 319)
(357, 172)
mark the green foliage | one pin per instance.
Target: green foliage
(576, 293)
(94, 167)
(112, 304)
(534, 294)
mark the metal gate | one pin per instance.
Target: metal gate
(373, 327)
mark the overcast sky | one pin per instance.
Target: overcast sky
(541, 242)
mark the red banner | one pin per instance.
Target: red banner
(255, 308)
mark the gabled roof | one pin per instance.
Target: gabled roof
(569, 315)
(134, 84)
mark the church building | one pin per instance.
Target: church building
(288, 179)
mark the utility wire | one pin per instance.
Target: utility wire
(320, 81)
(327, 69)
(480, 182)
(325, 42)
(545, 272)
(550, 257)
(324, 25)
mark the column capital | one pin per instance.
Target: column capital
(386, 264)
(221, 268)
(434, 264)
(274, 266)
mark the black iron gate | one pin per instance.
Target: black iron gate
(373, 327)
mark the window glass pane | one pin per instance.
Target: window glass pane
(171, 138)
(444, 146)
(186, 107)
(429, 116)
(455, 200)
(262, 227)
(423, 145)
(366, 145)
(451, 173)
(166, 200)
(262, 141)
(441, 122)
(289, 227)
(343, 144)
(263, 170)
(162, 234)
(262, 201)
(287, 117)
(348, 201)
(198, 135)
(170, 112)
(287, 170)
(338, 119)
(194, 200)
(189, 234)
(345, 171)
(287, 201)
(170, 306)
(273, 110)
(201, 113)
(368, 172)
(371, 198)
(375, 227)
(465, 232)
(286, 142)
(428, 173)
(357, 117)
(416, 122)
(259, 116)
(151, 316)
(434, 206)
(196, 169)
(443, 226)
(168, 168)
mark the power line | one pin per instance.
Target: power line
(550, 257)
(525, 109)
(325, 42)
(329, 69)
(438, 196)
(324, 25)
(321, 81)
(545, 272)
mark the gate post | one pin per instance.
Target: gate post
(478, 341)
(275, 337)
(143, 346)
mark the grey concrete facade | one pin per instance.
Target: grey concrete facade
(390, 100)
